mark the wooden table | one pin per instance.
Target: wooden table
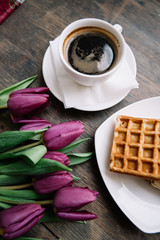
(24, 38)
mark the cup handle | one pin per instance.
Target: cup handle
(118, 28)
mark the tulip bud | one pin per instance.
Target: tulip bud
(68, 200)
(62, 134)
(51, 182)
(17, 220)
(58, 156)
(34, 124)
(26, 102)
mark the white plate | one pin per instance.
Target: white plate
(139, 201)
(51, 81)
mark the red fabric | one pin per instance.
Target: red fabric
(7, 7)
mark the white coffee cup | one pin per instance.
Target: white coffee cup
(113, 31)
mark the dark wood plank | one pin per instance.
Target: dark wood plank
(24, 38)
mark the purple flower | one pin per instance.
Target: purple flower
(62, 134)
(26, 102)
(51, 182)
(17, 220)
(34, 124)
(68, 200)
(58, 156)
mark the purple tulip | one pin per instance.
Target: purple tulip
(68, 200)
(58, 156)
(17, 220)
(51, 182)
(34, 124)
(62, 134)
(26, 102)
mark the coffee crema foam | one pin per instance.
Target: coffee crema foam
(91, 50)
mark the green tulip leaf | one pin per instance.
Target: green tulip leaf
(49, 216)
(10, 180)
(32, 155)
(42, 167)
(72, 146)
(75, 178)
(37, 137)
(4, 94)
(22, 194)
(5, 206)
(77, 158)
(10, 139)
(15, 200)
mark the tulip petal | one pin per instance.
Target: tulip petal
(23, 230)
(20, 105)
(20, 224)
(52, 182)
(77, 215)
(33, 120)
(72, 198)
(4, 94)
(60, 135)
(17, 220)
(35, 125)
(63, 140)
(10, 216)
(31, 90)
(26, 102)
(58, 156)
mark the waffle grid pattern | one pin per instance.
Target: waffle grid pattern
(136, 147)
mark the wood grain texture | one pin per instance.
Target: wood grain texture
(24, 38)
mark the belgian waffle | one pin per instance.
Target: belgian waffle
(136, 147)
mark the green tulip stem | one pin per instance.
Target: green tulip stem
(3, 107)
(15, 187)
(45, 202)
(14, 150)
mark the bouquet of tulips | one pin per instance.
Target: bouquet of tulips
(35, 165)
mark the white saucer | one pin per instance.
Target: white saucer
(51, 81)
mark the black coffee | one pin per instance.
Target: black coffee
(92, 51)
